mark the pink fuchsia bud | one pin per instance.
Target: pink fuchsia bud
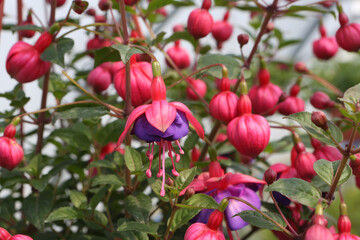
(10, 131)
(321, 100)
(178, 28)
(179, 56)
(23, 61)
(99, 78)
(300, 67)
(11, 153)
(223, 105)
(130, 2)
(169, 182)
(215, 169)
(292, 103)
(327, 4)
(202, 231)
(219, 83)
(215, 220)
(104, 5)
(348, 37)
(195, 154)
(189, 192)
(4, 235)
(270, 176)
(320, 120)
(20, 237)
(28, 21)
(355, 164)
(199, 85)
(325, 152)
(222, 30)
(269, 27)
(100, 19)
(80, 6)
(319, 230)
(96, 43)
(304, 165)
(141, 77)
(91, 12)
(243, 39)
(325, 47)
(249, 133)
(200, 22)
(59, 3)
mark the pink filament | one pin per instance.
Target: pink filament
(174, 172)
(162, 191)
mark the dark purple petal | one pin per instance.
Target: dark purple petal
(203, 215)
(145, 131)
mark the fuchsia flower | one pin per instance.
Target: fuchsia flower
(344, 225)
(28, 21)
(199, 85)
(292, 103)
(59, 3)
(11, 153)
(325, 47)
(219, 185)
(200, 21)
(319, 230)
(348, 35)
(161, 122)
(179, 56)
(5, 235)
(96, 43)
(321, 100)
(222, 30)
(23, 61)
(325, 152)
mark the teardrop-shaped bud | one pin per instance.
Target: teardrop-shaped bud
(321, 100)
(304, 164)
(348, 37)
(4, 235)
(200, 87)
(200, 23)
(179, 56)
(355, 165)
(99, 78)
(221, 31)
(11, 153)
(223, 106)
(215, 220)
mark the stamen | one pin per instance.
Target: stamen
(162, 191)
(180, 149)
(148, 151)
(174, 172)
(151, 157)
(177, 156)
(160, 172)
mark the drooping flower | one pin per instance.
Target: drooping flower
(325, 47)
(161, 122)
(292, 103)
(200, 87)
(179, 56)
(11, 153)
(321, 100)
(344, 225)
(348, 35)
(322, 151)
(222, 30)
(28, 21)
(219, 185)
(96, 43)
(319, 230)
(23, 61)
(200, 21)
(4, 234)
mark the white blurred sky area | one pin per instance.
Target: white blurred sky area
(292, 28)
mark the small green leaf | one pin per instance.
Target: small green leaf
(26, 27)
(184, 179)
(296, 189)
(304, 119)
(181, 35)
(136, 226)
(125, 51)
(132, 159)
(72, 137)
(78, 199)
(199, 201)
(99, 195)
(230, 62)
(101, 163)
(326, 171)
(155, 185)
(81, 112)
(258, 220)
(190, 142)
(64, 213)
(56, 51)
(139, 206)
(183, 216)
(106, 54)
(351, 100)
(111, 179)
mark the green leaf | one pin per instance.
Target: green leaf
(296, 8)
(110, 132)
(190, 142)
(326, 171)
(155, 185)
(139, 206)
(36, 208)
(181, 35)
(56, 51)
(81, 112)
(16, 96)
(100, 194)
(111, 179)
(106, 54)
(258, 220)
(101, 163)
(26, 27)
(297, 190)
(64, 213)
(73, 137)
(199, 201)
(185, 177)
(230, 62)
(351, 100)
(183, 216)
(304, 119)
(136, 226)
(78, 199)
(132, 159)
(125, 51)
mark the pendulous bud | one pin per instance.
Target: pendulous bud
(243, 39)
(320, 120)
(270, 176)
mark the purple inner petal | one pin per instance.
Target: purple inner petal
(145, 131)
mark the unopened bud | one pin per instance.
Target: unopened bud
(189, 192)
(300, 67)
(243, 39)
(282, 97)
(91, 12)
(269, 27)
(10, 131)
(320, 120)
(169, 182)
(270, 176)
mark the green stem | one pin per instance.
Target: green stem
(171, 219)
(85, 27)
(264, 215)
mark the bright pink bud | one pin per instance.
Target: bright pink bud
(162, 11)
(11, 153)
(321, 100)
(325, 47)
(223, 106)
(327, 4)
(344, 224)
(23, 61)
(222, 30)
(27, 33)
(304, 165)
(178, 28)
(96, 43)
(348, 37)
(319, 119)
(141, 76)
(4, 235)
(130, 2)
(249, 133)
(99, 78)
(198, 231)
(318, 232)
(292, 103)
(199, 85)
(219, 83)
(244, 105)
(20, 237)
(59, 3)
(195, 154)
(355, 165)
(179, 56)
(100, 19)
(243, 39)
(10, 131)
(325, 152)
(215, 169)
(200, 22)
(215, 220)
(104, 5)
(300, 67)
(265, 96)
